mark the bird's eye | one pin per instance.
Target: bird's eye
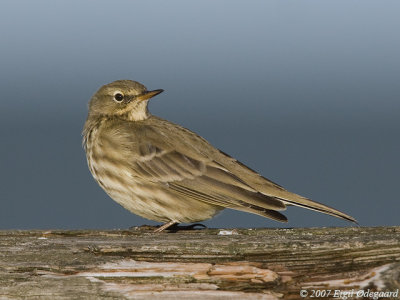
(118, 97)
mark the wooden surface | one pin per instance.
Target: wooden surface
(198, 264)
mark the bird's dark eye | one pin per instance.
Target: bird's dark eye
(118, 97)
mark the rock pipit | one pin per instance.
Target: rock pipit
(166, 173)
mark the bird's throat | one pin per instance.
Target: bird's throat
(136, 111)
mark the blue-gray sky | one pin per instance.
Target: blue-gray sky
(305, 92)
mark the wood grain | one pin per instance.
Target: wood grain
(197, 264)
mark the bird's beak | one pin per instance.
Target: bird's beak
(148, 94)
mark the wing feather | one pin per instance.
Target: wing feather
(201, 180)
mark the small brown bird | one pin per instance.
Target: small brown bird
(164, 172)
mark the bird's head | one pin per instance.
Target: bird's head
(122, 98)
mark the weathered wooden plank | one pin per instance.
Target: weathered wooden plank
(210, 263)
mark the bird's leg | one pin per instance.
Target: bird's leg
(166, 225)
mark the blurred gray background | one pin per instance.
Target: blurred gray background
(307, 93)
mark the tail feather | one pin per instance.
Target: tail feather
(313, 205)
(267, 187)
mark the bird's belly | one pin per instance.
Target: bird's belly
(153, 201)
(162, 206)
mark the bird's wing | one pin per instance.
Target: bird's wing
(203, 180)
(198, 146)
(169, 159)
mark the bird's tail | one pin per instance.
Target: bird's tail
(313, 205)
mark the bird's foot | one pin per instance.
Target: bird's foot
(173, 226)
